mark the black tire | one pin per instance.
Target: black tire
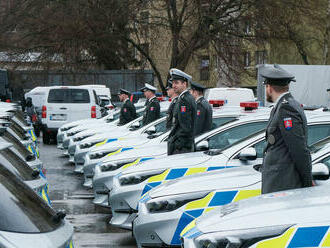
(45, 138)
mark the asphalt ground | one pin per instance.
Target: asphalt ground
(66, 192)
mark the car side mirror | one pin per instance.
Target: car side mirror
(151, 130)
(320, 171)
(202, 146)
(247, 154)
(135, 125)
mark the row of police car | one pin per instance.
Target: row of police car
(207, 198)
(27, 218)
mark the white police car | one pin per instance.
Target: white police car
(133, 183)
(167, 210)
(293, 218)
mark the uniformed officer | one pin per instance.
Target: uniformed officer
(152, 110)
(127, 111)
(287, 160)
(174, 98)
(181, 137)
(204, 109)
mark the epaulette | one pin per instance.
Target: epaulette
(284, 101)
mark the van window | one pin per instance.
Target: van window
(68, 96)
(22, 210)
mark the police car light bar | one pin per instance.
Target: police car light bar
(217, 103)
(249, 105)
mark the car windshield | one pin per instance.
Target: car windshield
(21, 209)
(17, 132)
(220, 121)
(16, 165)
(20, 116)
(17, 144)
(68, 96)
(314, 148)
(17, 127)
(234, 135)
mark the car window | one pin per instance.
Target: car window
(161, 127)
(260, 147)
(21, 209)
(217, 122)
(326, 161)
(317, 133)
(20, 116)
(315, 147)
(68, 96)
(20, 134)
(235, 134)
(18, 166)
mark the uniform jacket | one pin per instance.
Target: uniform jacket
(169, 118)
(152, 111)
(181, 136)
(203, 117)
(287, 160)
(127, 113)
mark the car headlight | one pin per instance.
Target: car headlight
(238, 238)
(69, 134)
(166, 204)
(88, 144)
(98, 155)
(137, 178)
(111, 166)
(81, 138)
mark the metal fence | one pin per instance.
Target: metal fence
(131, 80)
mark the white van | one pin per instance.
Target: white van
(232, 96)
(65, 104)
(38, 96)
(100, 89)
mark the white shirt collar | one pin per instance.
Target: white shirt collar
(127, 99)
(183, 92)
(151, 98)
(199, 98)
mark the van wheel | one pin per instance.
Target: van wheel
(45, 138)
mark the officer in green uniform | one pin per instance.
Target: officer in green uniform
(152, 110)
(181, 137)
(127, 111)
(174, 98)
(204, 109)
(287, 160)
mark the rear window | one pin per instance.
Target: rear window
(68, 96)
(21, 209)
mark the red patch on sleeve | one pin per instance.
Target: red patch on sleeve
(198, 112)
(152, 108)
(183, 109)
(287, 123)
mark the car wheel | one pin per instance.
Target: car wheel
(45, 138)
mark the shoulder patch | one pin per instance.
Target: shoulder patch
(287, 123)
(183, 109)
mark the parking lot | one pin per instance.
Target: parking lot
(66, 192)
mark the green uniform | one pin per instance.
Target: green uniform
(181, 137)
(287, 160)
(152, 111)
(127, 113)
(204, 116)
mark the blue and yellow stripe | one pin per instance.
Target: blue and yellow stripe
(44, 194)
(196, 208)
(70, 245)
(106, 141)
(175, 173)
(119, 151)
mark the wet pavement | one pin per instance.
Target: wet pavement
(66, 192)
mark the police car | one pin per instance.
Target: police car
(105, 171)
(293, 218)
(26, 221)
(32, 177)
(109, 131)
(167, 210)
(85, 123)
(133, 183)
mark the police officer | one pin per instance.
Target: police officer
(127, 111)
(204, 109)
(152, 110)
(181, 137)
(174, 98)
(287, 161)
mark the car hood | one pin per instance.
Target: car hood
(103, 129)
(223, 179)
(179, 160)
(139, 152)
(92, 126)
(120, 142)
(280, 208)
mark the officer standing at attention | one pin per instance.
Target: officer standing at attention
(127, 111)
(287, 161)
(204, 109)
(174, 98)
(152, 111)
(181, 137)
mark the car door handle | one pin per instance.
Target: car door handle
(63, 108)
